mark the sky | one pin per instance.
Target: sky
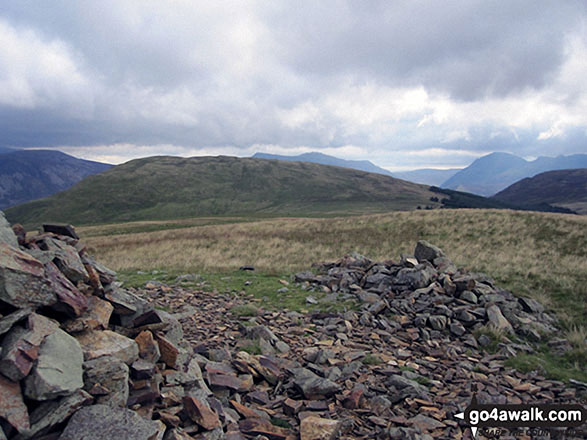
(405, 84)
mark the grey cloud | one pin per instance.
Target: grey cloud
(138, 56)
(470, 49)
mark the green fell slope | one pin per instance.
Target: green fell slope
(163, 187)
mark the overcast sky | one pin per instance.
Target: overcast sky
(406, 84)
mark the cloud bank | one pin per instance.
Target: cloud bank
(406, 84)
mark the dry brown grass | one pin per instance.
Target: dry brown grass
(537, 254)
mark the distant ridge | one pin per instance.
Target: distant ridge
(566, 188)
(492, 173)
(27, 175)
(324, 159)
(427, 176)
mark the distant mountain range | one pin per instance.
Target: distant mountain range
(324, 159)
(33, 174)
(425, 176)
(492, 173)
(566, 188)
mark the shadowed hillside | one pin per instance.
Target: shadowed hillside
(566, 188)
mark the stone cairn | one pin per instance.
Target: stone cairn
(83, 358)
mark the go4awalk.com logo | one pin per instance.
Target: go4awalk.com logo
(523, 416)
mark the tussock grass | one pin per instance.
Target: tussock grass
(540, 255)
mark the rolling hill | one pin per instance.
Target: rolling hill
(166, 187)
(566, 188)
(490, 174)
(32, 174)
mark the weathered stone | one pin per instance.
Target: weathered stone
(354, 399)
(110, 373)
(67, 230)
(67, 260)
(97, 316)
(425, 423)
(242, 383)
(22, 280)
(20, 347)
(415, 278)
(379, 405)
(497, 320)
(263, 428)
(438, 322)
(312, 385)
(260, 332)
(169, 352)
(457, 329)
(6, 233)
(70, 299)
(148, 347)
(426, 251)
(8, 321)
(53, 412)
(58, 370)
(98, 422)
(292, 407)
(12, 407)
(124, 302)
(317, 428)
(468, 296)
(531, 305)
(97, 343)
(200, 413)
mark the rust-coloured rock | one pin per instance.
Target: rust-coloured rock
(12, 407)
(317, 428)
(200, 413)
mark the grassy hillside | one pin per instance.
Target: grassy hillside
(567, 188)
(540, 255)
(160, 188)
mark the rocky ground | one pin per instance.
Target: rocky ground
(83, 358)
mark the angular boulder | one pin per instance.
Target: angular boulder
(70, 299)
(97, 343)
(12, 407)
(22, 280)
(497, 320)
(20, 347)
(111, 375)
(6, 233)
(58, 370)
(98, 422)
(313, 386)
(427, 252)
(317, 428)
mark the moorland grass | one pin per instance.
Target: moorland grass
(539, 255)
